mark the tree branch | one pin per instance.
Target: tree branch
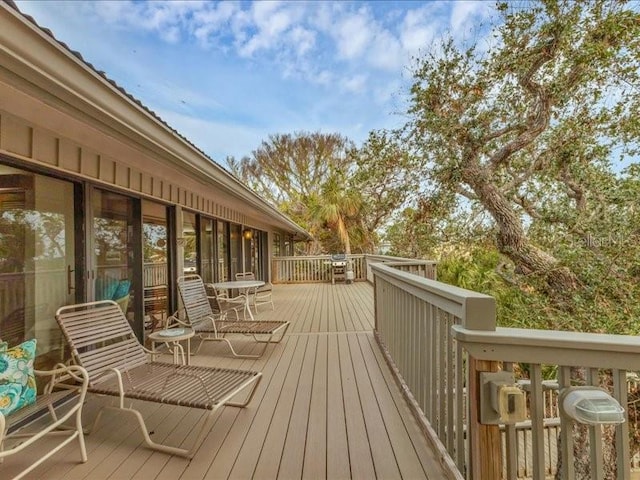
(527, 206)
(540, 121)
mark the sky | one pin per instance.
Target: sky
(226, 75)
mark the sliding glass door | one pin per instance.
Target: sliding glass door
(38, 270)
(114, 250)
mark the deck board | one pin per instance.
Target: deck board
(337, 441)
(315, 454)
(327, 407)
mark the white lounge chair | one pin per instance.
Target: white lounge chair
(213, 325)
(102, 341)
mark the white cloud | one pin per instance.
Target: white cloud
(302, 39)
(270, 20)
(284, 65)
(166, 19)
(418, 30)
(385, 92)
(466, 14)
(386, 52)
(353, 34)
(114, 12)
(355, 84)
(211, 22)
(324, 78)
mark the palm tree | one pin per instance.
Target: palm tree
(336, 204)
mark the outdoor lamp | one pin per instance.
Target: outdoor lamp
(247, 234)
(591, 406)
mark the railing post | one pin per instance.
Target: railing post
(484, 440)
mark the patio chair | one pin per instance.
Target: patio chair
(260, 295)
(61, 400)
(221, 302)
(214, 326)
(102, 341)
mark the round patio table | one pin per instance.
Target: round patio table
(241, 285)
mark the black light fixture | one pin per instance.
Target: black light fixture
(247, 234)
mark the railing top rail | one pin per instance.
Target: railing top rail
(476, 310)
(389, 258)
(403, 263)
(385, 258)
(552, 347)
(312, 257)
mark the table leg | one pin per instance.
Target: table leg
(247, 307)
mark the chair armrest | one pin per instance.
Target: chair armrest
(68, 377)
(241, 298)
(174, 320)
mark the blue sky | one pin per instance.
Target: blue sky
(228, 74)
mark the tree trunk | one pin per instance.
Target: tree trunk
(512, 240)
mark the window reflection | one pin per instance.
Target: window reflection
(37, 259)
(156, 268)
(223, 252)
(190, 242)
(113, 248)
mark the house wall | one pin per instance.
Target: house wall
(105, 161)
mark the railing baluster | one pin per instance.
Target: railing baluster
(461, 412)
(537, 421)
(623, 469)
(595, 436)
(566, 429)
(450, 391)
(511, 460)
(431, 374)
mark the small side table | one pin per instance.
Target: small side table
(172, 338)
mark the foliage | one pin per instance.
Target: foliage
(386, 178)
(291, 171)
(341, 194)
(18, 227)
(289, 168)
(523, 136)
(480, 268)
(154, 244)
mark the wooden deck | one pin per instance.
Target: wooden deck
(327, 408)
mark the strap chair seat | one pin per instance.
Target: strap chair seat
(102, 341)
(210, 325)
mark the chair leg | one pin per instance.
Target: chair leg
(240, 355)
(202, 339)
(182, 452)
(284, 328)
(83, 448)
(230, 345)
(94, 425)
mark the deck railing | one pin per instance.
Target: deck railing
(315, 269)
(154, 274)
(311, 269)
(439, 339)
